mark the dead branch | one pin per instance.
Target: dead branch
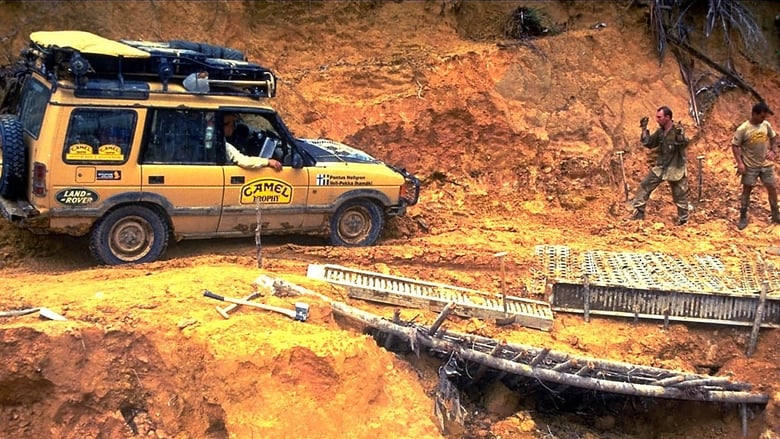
(737, 80)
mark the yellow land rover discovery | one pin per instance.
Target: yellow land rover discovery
(103, 138)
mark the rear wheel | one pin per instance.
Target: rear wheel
(356, 223)
(128, 235)
(13, 163)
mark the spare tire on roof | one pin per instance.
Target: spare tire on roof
(210, 50)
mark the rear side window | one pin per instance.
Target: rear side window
(32, 106)
(99, 135)
(180, 137)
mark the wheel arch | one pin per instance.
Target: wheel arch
(157, 203)
(375, 196)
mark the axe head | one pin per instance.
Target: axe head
(46, 313)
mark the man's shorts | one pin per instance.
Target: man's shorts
(765, 173)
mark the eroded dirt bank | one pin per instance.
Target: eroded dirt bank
(515, 145)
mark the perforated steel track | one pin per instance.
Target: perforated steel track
(412, 293)
(659, 286)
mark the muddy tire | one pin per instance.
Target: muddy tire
(13, 162)
(356, 223)
(129, 235)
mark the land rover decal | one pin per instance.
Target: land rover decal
(76, 197)
(266, 191)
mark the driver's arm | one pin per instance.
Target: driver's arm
(237, 157)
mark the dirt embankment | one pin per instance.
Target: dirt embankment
(515, 143)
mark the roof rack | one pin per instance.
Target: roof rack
(84, 56)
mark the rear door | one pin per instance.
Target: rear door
(96, 162)
(180, 169)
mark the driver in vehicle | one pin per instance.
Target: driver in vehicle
(239, 158)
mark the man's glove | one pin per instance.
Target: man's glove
(643, 123)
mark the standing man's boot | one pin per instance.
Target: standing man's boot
(682, 216)
(743, 220)
(638, 214)
(775, 214)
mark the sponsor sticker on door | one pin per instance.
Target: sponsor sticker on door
(266, 191)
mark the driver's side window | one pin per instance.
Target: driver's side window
(254, 135)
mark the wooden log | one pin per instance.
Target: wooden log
(714, 381)
(580, 372)
(759, 318)
(484, 367)
(565, 365)
(540, 356)
(612, 366)
(669, 381)
(622, 388)
(586, 297)
(416, 339)
(396, 320)
(406, 333)
(441, 318)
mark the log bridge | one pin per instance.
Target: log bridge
(543, 363)
(552, 366)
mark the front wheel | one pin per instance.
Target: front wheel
(129, 235)
(356, 223)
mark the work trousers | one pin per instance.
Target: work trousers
(651, 181)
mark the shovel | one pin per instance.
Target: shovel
(46, 313)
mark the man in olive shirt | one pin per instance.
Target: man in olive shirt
(669, 143)
(755, 147)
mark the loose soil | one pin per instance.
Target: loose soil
(515, 145)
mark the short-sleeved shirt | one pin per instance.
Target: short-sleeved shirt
(754, 140)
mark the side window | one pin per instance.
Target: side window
(180, 136)
(255, 135)
(99, 135)
(32, 106)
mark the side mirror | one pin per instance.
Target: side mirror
(297, 161)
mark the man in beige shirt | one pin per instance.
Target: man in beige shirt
(755, 148)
